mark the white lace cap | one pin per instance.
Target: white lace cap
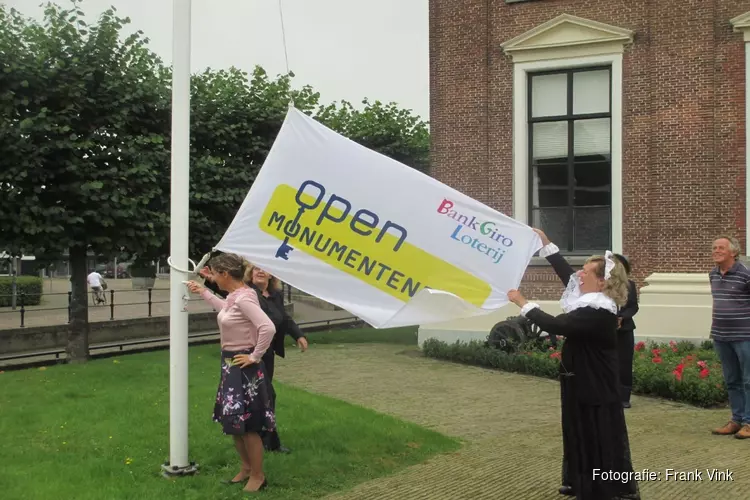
(572, 298)
(609, 264)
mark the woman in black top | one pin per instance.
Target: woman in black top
(595, 435)
(269, 291)
(271, 301)
(626, 335)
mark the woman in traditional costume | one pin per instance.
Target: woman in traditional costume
(271, 300)
(626, 335)
(596, 450)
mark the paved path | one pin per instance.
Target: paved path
(510, 425)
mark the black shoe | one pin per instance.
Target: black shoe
(567, 490)
(626, 404)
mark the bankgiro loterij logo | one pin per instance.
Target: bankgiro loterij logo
(469, 229)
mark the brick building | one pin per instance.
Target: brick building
(610, 125)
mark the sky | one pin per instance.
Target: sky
(345, 49)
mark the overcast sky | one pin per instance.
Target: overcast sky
(345, 49)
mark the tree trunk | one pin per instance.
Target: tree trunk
(77, 349)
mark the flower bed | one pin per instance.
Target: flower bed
(677, 371)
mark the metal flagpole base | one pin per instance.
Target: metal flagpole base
(170, 471)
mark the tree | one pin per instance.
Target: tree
(85, 137)
(234, 120)
(385, 128)
(82, 148)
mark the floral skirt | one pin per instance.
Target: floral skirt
(243, 402)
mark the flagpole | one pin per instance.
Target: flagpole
(179, 217)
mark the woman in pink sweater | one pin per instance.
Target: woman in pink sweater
(243, 403)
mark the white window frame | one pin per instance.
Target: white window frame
(741, 24)
(521, 72)
(566, 42)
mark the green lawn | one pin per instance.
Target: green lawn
(101, 431)
(405, 336)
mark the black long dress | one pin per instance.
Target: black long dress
(595, 434)
(626, 342)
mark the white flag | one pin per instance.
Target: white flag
(373, 236)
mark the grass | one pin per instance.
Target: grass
(101, 430)
(401, 336)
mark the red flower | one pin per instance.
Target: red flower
(656, 352)
(702, 364)
(678, 371)
(555, 355)
(656, 359)
(704, 373)
(673, 343)
(640, 346)
(552, 348)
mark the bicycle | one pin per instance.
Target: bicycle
(97, 299)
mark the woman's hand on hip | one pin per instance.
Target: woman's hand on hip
(244, 360)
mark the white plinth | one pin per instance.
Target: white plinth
(675, 307)
(672, 307)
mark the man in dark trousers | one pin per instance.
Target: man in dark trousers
(626, 336)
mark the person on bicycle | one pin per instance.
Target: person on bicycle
(95, 281)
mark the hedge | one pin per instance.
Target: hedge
(678, 371)
(31, 286)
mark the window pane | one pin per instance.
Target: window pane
(591, 92)
(554, 222)
(592, 226)
(550, 186)
(591, 137)
(593, 180)
(549, 140)
(549, 95)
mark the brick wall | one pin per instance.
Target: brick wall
(683, 119)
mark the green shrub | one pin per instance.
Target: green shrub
(476, 353)
(679, 371)
(30, 286)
